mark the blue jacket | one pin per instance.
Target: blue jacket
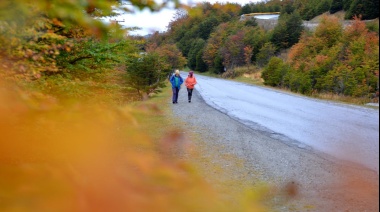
(172, 81)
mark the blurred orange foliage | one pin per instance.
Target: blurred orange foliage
(79, 157)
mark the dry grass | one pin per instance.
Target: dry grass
(340, 15)
(345, 99)
(246, 74)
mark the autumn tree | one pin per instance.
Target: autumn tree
(233, 50)
(171, 55)
(211, 54)
(248, 52)
(337, 60)
(40, 32)
(329, 31)
(362, 59)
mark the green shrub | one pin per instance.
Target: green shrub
(275, 72)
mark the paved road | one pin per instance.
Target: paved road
(323, 183)
(349, 133)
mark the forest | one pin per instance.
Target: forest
(77, 56)
(331, 58)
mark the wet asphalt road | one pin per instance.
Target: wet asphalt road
(340, 130)
(325, 182)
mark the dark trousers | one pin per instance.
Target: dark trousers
(189, 93)
(175, 94)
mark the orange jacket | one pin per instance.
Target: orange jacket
(190, 82)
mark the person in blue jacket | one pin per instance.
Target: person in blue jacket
(176, 80)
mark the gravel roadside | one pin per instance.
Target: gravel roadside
(235, 158)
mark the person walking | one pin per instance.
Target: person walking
(176, 80)
(190, 83)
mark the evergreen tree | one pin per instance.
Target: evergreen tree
(274, 72)
(207, 26)
(288, 31)
(218, 64)
(294, 28)
(265, 54)
(201, 65)
(246, 9)
(287, 8)
(347, 4)
(146, 73)
(279, 37)
(366, 9)
(198, 45)
(336, 5)
(323, 6)
(251, 22)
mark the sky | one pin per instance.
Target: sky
(158, 21)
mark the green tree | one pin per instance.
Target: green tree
(185, 43)
(288, 8)
(322, 7)
(279, 37)
(219, 66)
(255, 37)
(347, 5)
(251, 22)
(373, 26)
(201, 66)
(146, 73)
(266, 52)
(197, 46)
(288, 31)
(207, 26)
(336, 5)
(294, 28)
(246, 9)
(274, 73)
(366, 9)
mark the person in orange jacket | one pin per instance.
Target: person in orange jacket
(190, 82)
